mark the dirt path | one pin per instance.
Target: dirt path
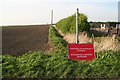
(20, 40)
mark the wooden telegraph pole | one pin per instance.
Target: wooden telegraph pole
(51, 17)
(77, 26)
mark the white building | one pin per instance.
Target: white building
(103, 26)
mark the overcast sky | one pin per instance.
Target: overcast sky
(20, 12)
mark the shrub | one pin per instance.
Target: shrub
(68, 25)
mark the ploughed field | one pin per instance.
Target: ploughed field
(23, 39)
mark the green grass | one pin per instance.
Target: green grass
(38, 64)
(56, 63)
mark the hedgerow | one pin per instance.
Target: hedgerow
(68, 25)
(57, 65)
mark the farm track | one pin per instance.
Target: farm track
(20, 40)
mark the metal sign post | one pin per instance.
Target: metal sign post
(77, 26)
(79, 52)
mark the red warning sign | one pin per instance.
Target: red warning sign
(80, 52)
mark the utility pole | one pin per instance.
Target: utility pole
(119, 11)
(51, 17)
(77, 26)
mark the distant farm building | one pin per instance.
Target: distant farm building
(106, 27)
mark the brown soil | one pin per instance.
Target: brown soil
(107, 43)
(71, 38)
(100, 44)
(104, 43)
(20, 40)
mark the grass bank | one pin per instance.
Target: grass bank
(56, 63)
